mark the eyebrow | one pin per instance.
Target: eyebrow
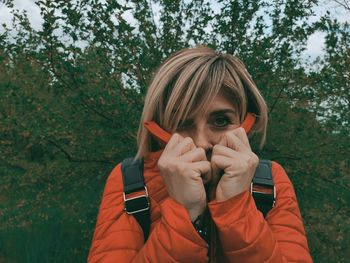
(222, 111)
(216, 112)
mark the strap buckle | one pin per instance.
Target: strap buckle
(136, 204)
(268, 197)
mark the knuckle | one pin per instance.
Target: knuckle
(175, 136)
(215, 148)
(189, 140)
(252, 161)
(165, 163)
(256, 158)
(160, 166)
(160, 163)
(201, 150)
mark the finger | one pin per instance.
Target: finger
(203, 168)
(216, 172)
(230, 140)
(194, 155)
(234, 159)
(225, 151)
(220, 162)
(183, 146)
(242, 135)
(218, 166)
(175, 139)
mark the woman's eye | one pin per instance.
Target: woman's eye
(221, 121)
(185, 124)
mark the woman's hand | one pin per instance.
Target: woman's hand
(184, 167)
(234, 156)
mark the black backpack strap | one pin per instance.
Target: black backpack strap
(263, 188)
(139, 205)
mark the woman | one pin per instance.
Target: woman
(203, 174)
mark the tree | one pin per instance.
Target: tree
(71, 94)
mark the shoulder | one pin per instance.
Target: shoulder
(114, 181)
(111, 205)
(283, 184)
(279, 174)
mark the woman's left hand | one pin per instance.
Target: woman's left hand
(235, 158)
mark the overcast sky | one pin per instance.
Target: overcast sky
(314, 46)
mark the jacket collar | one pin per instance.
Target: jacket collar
(164, 136)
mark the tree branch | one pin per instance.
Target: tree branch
(344, 3)
(71, 159)
(275, 102)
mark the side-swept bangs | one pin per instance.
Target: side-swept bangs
(197, 83)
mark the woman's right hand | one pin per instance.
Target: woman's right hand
(184, 167)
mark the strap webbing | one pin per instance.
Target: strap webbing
(263, 178)
(133, 180)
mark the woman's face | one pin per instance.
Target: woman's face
(207, 128)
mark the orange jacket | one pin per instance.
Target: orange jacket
(244, 235)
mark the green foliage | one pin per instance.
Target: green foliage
(71, 94)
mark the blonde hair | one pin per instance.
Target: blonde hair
(187, 81)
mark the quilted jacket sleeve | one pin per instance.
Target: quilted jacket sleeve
(119, 238)
(247, 237)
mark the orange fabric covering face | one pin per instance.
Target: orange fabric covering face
(244, 235)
